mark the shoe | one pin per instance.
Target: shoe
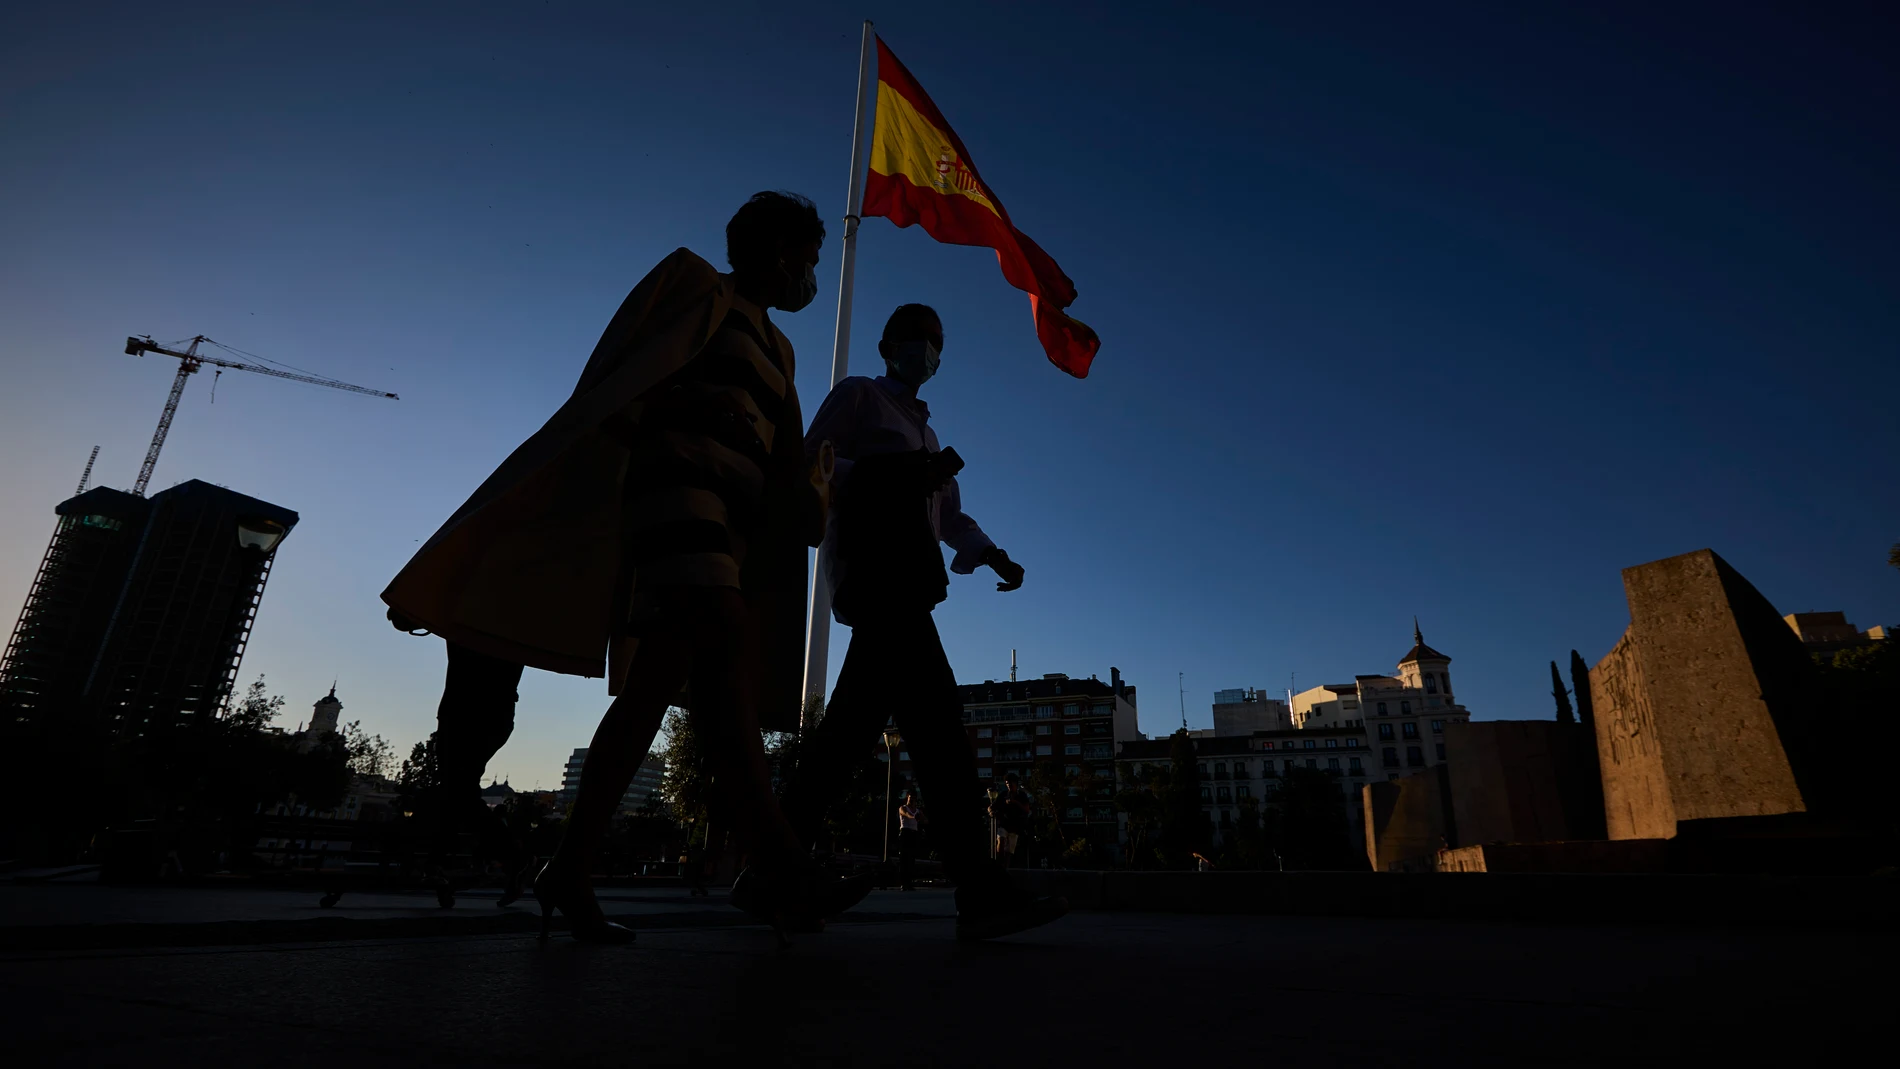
(518, 879)
(584, 920)
(1008, 915)
(798, 896)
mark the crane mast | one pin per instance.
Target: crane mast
(189, 361)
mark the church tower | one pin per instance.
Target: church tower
(1425, 668)
(323, 716)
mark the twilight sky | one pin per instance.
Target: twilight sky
(1450, 314)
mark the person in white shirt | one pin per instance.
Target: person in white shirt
(909, 831)
(895, 498)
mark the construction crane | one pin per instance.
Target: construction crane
(86, 476)
(189, 361)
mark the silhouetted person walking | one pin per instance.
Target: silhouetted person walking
(1010, 811)
(910, 832)
(661, 515)
(896, 499)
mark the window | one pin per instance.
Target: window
(1042, 729)
(1220, 770)
(1271, 789)
(1074, 813)
(1312, 762)
(1385, 732)
(1044, 712)
(1415, 757)
(1073, 749)
(1353, 762)
(1207, 796)
(1309, 744)
(1224, 795)
(1332, 744)
(982, 773)
(1391, 757)
(1071, 729)
(1240, 770)
(1438, 727)
(1411, 729)
(1332, 763)
(1431, 683)
(983, 733)
(1381, 708)
(1266, 745)
(1391, 775)
(1242, 791)
(1071, 709)
(1447, 678)
(1441, 751)
(1405, 708)
(983, 751)
(1352, 744)
(1043, 750)
(1071, 770)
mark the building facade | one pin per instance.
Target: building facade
(1069, 727)
(645, 786)
(141, 609)
(1237, 770)
(1402, 715)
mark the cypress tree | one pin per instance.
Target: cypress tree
(1184, 828)
(1563, 699)
(1580, 682)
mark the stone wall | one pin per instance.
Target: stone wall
(1519, 781)
(1408, 820)
(1700, 705)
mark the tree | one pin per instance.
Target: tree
(367, 755)
(1140, 798)
(1563, 699)
(418, 777)
(1580, 683)
(1313, 827)
(1247, 843)
(1050, 789)
(1184, 828)
(687, 785)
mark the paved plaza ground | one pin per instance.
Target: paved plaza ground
(889, 987)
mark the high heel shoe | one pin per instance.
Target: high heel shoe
(519, 877)
(584, 920)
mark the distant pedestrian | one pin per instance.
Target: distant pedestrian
(910, 830)
(1011, 810)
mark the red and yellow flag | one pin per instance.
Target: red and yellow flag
(921, 173)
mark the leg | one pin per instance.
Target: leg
(931, 721)
(829, 752)
(620, 743)
(726, 715)
(473, 721)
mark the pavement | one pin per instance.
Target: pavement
(888, 986)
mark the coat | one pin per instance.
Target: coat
(529, 568)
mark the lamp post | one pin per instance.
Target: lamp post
(891, 741)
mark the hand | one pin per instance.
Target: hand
(1007, 570)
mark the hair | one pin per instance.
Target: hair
(907, 314)
(769, 223)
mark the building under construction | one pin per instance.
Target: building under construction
(138, 617)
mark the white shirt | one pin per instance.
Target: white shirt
(864, 417)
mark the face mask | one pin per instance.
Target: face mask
(800, 291)
(913, 362)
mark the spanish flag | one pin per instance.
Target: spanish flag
(921, 173)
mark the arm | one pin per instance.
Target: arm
(972, 546)
(837, 421)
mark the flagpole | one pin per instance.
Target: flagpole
(818, 622)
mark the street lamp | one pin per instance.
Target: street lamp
(891, 741)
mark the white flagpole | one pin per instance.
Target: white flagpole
(818, 623)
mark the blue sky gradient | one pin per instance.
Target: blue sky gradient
(1452, 314)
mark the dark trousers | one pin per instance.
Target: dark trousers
(895, 668)
(907, 853)
(472, 723)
